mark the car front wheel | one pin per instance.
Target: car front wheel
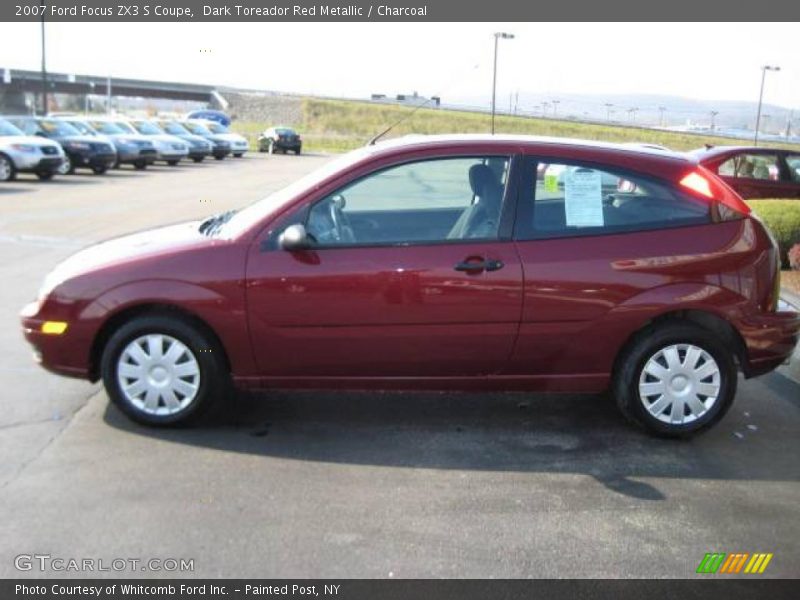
(163, 370)
(7, 170)
(675, 380)
(66, 167)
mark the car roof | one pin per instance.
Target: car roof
(733, 149)
(526, 142)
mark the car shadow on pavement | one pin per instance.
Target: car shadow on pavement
(570, 434)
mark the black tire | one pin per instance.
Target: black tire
(646, 344)
(283, 150)
(99, 169)
(198, 159)
(219, 156)
(9, 170)
(214, 385)
(44, 175)
(140, 165)
(239, 155)
(66, 168)
(297, 152)
(172, 163)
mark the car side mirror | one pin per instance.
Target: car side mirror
(294, 237)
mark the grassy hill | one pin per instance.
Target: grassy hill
(339, 125)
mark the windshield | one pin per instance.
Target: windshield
(173, 128)
(247, 217)
(7, 128)
(197, 128)
(125, 127)
(59, 128)
(82, 127)
(284, 131)
(106, 127)
(217, 128)
(146, 128)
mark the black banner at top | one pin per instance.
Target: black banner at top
(395, 10)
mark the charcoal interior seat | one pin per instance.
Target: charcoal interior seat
(480, 219)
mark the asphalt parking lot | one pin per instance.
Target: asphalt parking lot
(358, 484)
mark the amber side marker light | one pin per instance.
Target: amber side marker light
(54, 327)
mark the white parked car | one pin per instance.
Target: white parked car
(27, 154)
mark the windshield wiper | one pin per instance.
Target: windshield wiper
(211, 225)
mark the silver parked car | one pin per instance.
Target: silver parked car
(20, 153)
(170, 149)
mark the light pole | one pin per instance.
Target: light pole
(608, 111)
(632, 112)
(555, 108)
(497, 36)
(661, 110)
(44, 64)
(764, 70)
(713, 113)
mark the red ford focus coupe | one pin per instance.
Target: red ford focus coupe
(455, 262)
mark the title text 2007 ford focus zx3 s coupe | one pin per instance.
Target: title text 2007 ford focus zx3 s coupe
(457, 262)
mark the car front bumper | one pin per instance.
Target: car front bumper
(64, 354)
(92, 159)
(35, 162)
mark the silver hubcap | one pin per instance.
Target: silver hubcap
(64, 168)
(5, 169)
(679, 384)
(158, 374)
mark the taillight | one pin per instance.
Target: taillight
(704, 184)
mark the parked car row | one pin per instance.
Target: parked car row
(47, 146)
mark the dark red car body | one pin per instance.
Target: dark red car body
(781, 181)
(554, 318)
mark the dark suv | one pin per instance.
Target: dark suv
(82, 151)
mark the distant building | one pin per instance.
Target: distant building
(410, 99)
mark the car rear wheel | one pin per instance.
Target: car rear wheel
(198, 159)
(172, 163)
(163, 370)
(7, 170)
(140, 165)
(238, 155)
(99, 169)
(44, 175)
(675, 380)
(219, 156)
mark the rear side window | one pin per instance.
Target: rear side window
(576, 200)
(793, 162)
(752, 166)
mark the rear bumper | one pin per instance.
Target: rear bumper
(770, 339)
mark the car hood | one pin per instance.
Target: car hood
(165, 137)
(127, 249)
(33, 140)
(86, 139)
(231, 137)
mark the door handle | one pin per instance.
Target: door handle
(475, 266)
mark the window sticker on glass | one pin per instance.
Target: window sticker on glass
(551, 180)
(583, 198)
